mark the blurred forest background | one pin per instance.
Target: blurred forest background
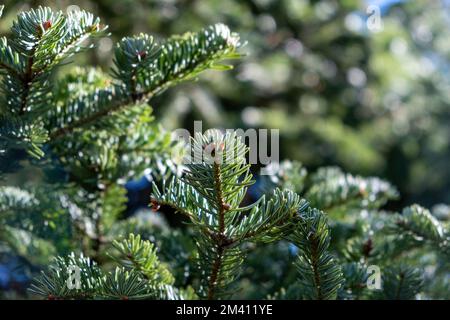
(374, 103)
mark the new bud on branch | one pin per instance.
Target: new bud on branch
(47, 25)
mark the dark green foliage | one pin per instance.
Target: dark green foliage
(83, 133)
(141, 256)
(362, 235)
(210, 194)
(42, 39)
(419, 224)
(97, 153)
(140, 276)
(53, 283)
(320, 275)
(144, 69)
(401, 283)
(354, 287)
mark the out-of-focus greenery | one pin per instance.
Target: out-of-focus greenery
(371, 102)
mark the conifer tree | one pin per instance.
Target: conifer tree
(87, 132)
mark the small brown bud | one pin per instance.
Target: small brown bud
(141, 55)
(47, 25)
(154, 205)
(367, 247)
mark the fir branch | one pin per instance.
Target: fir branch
(320, 275)
(210, 193)
(401, 283)
(141, 256)
(274, 219)
(419, 224)
(53, 284)
(334, 190)
(145, 70)
(41, 40)
(220, 245)
(125, 284)
(9, 59)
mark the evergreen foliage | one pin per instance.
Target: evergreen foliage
(210, 195)
(364, 236)
(87, 133)
(320, 275)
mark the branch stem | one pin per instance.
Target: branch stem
(221, 239)
(27, 79)
(314, 262)
(118, 105)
